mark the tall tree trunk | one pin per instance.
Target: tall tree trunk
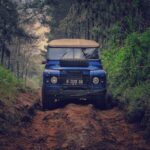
(3, 52)
(88, 28)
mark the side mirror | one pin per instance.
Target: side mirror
(44, 62)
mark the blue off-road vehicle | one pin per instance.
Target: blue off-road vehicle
(73, 70)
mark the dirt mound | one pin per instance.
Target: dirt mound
(15, 113)
(76, 127)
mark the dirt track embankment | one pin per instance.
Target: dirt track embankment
(77, 127)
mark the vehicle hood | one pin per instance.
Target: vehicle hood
(93, 65)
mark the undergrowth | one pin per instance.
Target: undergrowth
(9, 88)
(9, 84)
(128, 68)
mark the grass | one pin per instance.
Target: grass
(9, 85)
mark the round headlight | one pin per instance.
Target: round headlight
(96, 80)
(54, 80)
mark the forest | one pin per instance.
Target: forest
(121, 27)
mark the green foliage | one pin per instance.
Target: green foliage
(8, 23)
(9, 30)
(129, 65)
(128, 70)
(94, 19)
(8, 83)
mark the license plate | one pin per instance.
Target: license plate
(74, 81)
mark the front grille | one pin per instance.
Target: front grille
(74, 63)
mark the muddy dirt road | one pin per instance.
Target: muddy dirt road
(77, 127)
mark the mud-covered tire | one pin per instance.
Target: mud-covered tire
(100, 101)
(45, 104)
(109, 101)
(103, 101)
(48, 102)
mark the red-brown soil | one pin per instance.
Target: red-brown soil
(76, 127)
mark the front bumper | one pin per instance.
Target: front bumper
(74, 93)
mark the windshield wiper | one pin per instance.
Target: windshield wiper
(84, 53)
(63, 55)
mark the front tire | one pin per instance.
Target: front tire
(45, 104)
(103, 101)
(48, 102)
(100, 101)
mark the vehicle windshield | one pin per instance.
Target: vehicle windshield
(72, 53)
